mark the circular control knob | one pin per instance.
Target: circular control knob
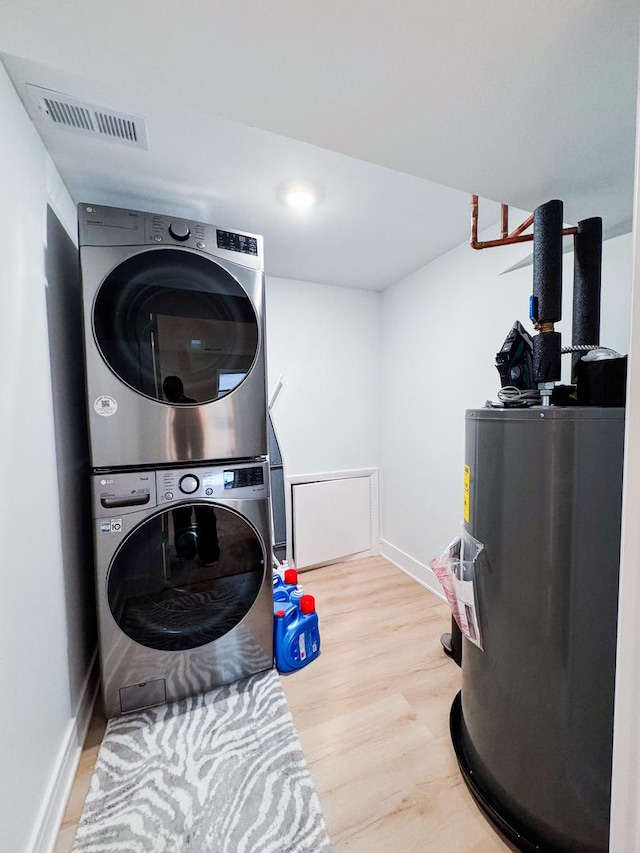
(189, 484)
(179, 231)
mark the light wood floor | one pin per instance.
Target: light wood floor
(372, 713)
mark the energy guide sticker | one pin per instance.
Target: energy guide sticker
(467, 492)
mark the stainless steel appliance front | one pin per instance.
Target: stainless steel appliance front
(533, 727)
(182, 580)
(174, 339)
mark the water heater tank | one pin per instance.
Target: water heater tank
(533, 724)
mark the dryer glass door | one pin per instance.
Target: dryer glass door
(176, 327)
(185, 576)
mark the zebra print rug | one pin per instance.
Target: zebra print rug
(218, 773)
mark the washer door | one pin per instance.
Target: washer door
(185, 576)
(175, 327)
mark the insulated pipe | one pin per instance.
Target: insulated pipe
(546, 307)
(547, 349)
(587, 281)
(547, 262)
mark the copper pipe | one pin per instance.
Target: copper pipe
(523, 227)
(474, 220)
(516, 235)
(504, 215)
(506, 241)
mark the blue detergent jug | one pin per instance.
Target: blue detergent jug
(296, 634)
(282, 587)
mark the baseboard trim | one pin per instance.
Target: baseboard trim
(418, 571)
(361, 555)
(55, 801)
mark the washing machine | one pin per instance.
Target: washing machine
(183, 580)
(174, 339)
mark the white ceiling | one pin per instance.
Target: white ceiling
(516, 101)
(372, 226)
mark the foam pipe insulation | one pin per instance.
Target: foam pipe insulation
(547, 290)
(587, 281)
(547, 261)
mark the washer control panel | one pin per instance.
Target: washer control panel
(236, 481)
(119, 493)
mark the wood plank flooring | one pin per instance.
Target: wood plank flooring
(82, 781)
(372, 714)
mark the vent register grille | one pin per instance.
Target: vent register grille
(69, 113)
(83, 119)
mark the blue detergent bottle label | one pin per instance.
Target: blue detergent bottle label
(296, 635)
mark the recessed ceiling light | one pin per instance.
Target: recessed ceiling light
(300, 195)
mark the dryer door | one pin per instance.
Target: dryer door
(186, 576)
(176, 327)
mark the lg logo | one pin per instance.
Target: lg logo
(106, 482)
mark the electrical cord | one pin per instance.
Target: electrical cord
(511, 394)
(517, 397)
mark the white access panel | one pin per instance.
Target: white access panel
(331, 520)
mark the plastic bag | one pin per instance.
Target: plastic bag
(456, 569)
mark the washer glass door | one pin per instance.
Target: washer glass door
(175, 326)
(185, 576)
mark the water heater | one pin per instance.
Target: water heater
(533, 724)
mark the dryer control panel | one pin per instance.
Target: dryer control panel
(99, 225)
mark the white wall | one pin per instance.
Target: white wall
(44, 657)
(442, 327)
(625, 793)
(325, 341)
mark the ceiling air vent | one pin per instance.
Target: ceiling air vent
(67, 113)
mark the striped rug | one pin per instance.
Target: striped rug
(218, 773)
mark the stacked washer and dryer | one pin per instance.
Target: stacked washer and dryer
(176, 384)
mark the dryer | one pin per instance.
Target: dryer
(183, 580)
(174, 339)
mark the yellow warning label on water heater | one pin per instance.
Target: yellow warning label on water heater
(467, 491)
